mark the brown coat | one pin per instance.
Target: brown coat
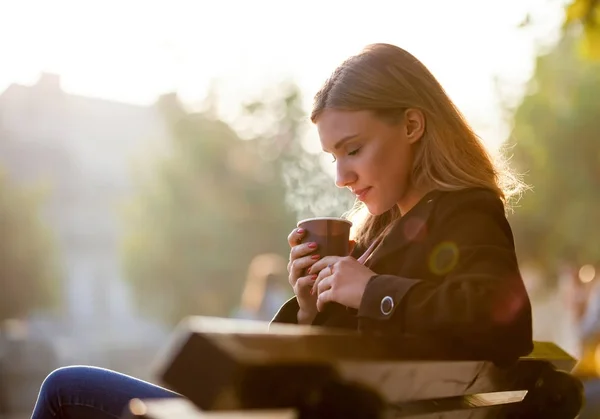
(446, 270)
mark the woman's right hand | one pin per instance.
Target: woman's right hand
(300, 261)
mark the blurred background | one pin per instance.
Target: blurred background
(154, 156)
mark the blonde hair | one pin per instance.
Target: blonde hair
(387, 80)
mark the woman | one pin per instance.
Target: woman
(434, 253)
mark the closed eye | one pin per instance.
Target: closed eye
(355, 152)
(351, 153)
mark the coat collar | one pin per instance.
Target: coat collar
(411, 228)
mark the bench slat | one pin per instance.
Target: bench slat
(216, 361)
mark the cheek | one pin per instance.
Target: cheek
(395, 164)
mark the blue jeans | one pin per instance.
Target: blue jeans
(91, 393)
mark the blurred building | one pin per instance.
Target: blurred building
(82, 149)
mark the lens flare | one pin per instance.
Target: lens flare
(444, 258)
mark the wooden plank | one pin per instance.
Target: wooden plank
(184, 409)
(222, 364)
(475, 407)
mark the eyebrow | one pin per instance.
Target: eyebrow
(344, 140)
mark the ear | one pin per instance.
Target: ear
(414, 122)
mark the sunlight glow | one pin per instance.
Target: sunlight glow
(134, 50)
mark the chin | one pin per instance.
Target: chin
(376, 209)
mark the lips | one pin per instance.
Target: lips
(361, 193)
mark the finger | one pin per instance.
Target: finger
(305, 283)
(324, 284)
(324, 298)
(324, 274)
(323, 263)
(295, 236)
(302, 250)
(299, 266)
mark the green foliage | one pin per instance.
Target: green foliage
(557, 132)
(29, 273)
(585, 14)
(214, 203)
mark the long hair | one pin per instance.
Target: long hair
(387, 80)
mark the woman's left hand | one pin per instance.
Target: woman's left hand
(341, 279)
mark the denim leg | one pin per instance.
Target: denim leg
(81, 392)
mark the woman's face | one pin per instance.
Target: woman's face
(373, 156)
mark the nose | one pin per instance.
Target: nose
(344, 175)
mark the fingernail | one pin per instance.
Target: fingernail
(314, 277)
(312, 245)
(308, 270)
(315, 257)
(300, 231)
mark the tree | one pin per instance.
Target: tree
(215, 202)
(556, 130)
(586, 15)
(29, 271)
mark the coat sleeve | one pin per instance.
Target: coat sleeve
(477, 297)
(288, 312)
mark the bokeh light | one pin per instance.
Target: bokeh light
(587, 273)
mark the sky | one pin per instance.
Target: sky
(134, 50)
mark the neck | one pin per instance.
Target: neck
(411, 198)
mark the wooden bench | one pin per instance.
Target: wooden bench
(242, 369)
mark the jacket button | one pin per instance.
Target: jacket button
(387, 305)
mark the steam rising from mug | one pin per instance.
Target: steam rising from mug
(311, 192)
